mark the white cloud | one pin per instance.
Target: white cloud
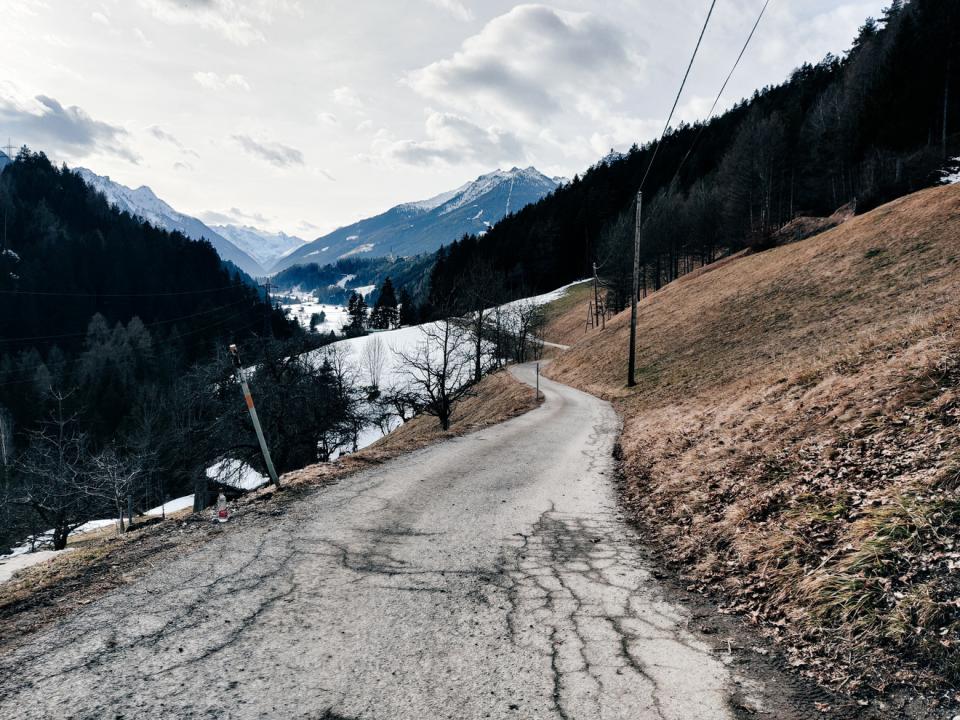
(454, 7)
(100, 18)
(239, 21)
(213, 81)
(277, 154)
(234, 216)
(453, 139)
(44, 123)
(163, 136)
(347, 97)
(328, 118)
(532, 63)
(139, 35)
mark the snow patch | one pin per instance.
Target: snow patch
(364, 248)
(9, 564)
(951, 175)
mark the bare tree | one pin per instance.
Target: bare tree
(374, 359)
(439, 370)
(6, 437)
(498, 335)
(482, 290)
(53, 473)
(339, 360)
(113, 478)
(526, 322)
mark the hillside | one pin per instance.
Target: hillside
(870, 126)
(419, 227)
(142, 202)
(792, 443)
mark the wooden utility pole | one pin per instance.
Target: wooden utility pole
(253, 416)
(632, 371)
(596, 297)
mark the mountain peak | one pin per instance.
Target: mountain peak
(145, 204)
(423, 226)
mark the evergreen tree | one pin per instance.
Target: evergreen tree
(407, 314)
(357, 310)
(385, 315)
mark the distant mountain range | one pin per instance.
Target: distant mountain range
(405, 230)
(4, 160)
(142, 202)
(264, 247)
(419, 227)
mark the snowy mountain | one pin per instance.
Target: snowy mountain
(143, 203)
(419, 227)
(264, 247)
(4, 160)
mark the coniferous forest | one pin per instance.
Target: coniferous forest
(866, 128)
(115, 382)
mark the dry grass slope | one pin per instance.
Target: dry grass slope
(793, 440)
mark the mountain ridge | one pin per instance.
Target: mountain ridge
(144, 203)
(263, 246)
(416, 227)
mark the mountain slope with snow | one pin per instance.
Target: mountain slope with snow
(419, 227)
(264, 247)
(142, 202)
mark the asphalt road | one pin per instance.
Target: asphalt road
(488, 576)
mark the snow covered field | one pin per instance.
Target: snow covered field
(336, 317)
(405, 341)
(951, 176)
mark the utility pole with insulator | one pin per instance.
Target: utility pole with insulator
(253, 415)
(596, 296)
(632, 371)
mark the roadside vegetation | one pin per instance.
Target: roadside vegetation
(791, 445)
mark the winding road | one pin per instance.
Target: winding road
(489, 576)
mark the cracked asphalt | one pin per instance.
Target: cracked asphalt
(488, 576)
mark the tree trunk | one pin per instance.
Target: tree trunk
(946, 107)
(60, 537)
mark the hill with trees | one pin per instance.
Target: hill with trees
(113, 336)
(866, 128)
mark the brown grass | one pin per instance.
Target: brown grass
(567, 317)
(39, 595)
(793, 438)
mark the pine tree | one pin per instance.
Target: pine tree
(407, 314)
(385, 315)
(357, 310)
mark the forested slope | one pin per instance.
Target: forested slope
(104, 322)
(869, 127)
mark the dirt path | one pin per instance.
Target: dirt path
(488, 576)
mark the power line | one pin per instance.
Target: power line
(683, 84)
(638, 229)
(29, 376)
(716, 101)
(48, 338)
(120, 295)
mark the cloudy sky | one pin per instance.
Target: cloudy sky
(304, 115)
